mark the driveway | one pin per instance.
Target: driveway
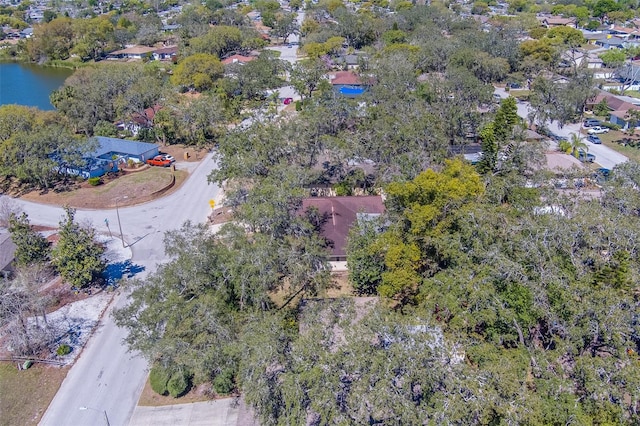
(106, 381)
(605, 156)
(221, 412)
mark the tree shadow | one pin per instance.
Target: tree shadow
(114, 272)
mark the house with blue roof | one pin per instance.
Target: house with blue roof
(110, 153)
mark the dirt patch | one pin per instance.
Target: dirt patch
(26, 394)
(221, 215)
(126, 189)
(183, 153)
(340, 285)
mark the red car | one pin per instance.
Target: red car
(159, 160)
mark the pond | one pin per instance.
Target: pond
(30, 85)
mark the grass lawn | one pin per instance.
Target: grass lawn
(632, 93)
(609, 139)
(25, 395)
(518, 93)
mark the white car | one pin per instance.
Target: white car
(596, 130)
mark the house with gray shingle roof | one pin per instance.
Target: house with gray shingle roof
(110, 153)
(7, 253)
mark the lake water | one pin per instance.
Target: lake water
(30, 85)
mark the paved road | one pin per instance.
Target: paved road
(107, 379)
(290, 54)
(605, 156)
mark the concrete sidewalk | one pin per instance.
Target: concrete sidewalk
(221, 412)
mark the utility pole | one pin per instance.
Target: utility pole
(120, 224)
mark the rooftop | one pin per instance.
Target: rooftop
(340, 214)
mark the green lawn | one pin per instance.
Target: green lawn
(25, 395)
(609, 139)
(632, 93)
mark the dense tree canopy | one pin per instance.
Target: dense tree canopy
(495, 298)
(107, 93)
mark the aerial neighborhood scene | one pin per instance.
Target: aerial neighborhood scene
(319, 212)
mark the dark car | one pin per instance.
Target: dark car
(514, 85)
(586, 157)
(592, 122)
(602, 175)
(594, 139)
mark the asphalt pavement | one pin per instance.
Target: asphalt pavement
(104, 385)
(605, 156)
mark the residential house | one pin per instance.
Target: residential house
(347, 61)
(339, 214)
(238, 59)
(609, 41)
(169, 28)
(7, 253)
(347, 83)
(592, 60)
(619, 108)
(556, 21)
(624, 32)
(168, 53)
(26, 33)
(592, 36)
(110, 153)
(132, 52)
(139, 121)
(604, 73)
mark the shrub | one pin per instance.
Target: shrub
(63, 350)
(223, 383)
(343, 188)
(158, 379)
(298, 106)
(178, 384)
(94, 181)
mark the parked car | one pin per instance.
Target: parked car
(169, 157)
(586, 157)
(514, 85)
(160, 161)
(594, 139)
(592, 122)
(596, 130)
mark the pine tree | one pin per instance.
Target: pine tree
(31, 247)
(77, 256)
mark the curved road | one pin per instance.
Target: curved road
(104, 384)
